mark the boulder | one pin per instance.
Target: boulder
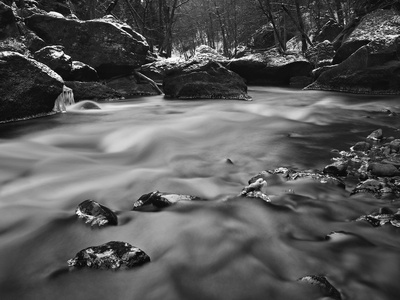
(8, 25)
(112, 255)
(92, 91)
(380, 25)
(27, 87)
(131, 85)
(372, 69)
(201, 79)
(96, 214)
(320, 54)
(82, 72)
(329, 31)
(383, 170)
(55, 58)
(270, 67)
(114, 48)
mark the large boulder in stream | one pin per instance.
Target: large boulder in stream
(112, 48)
(270, 67)
(27, 88)
(55, 58)
(202, 79)
(372, 69)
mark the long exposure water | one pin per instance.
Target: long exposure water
(224, 248)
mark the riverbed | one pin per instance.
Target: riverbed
(226, 247)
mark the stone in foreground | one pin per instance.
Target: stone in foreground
(326, 288)
(112, 255)
(161, 200)
(96, 214)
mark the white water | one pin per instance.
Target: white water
(236, 249)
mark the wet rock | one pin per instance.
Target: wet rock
(325, 287)
(96, 214)
(321, 54)
(347, 49)
(384, 216)
(82, 72)
(35, 87)
(112, 255)
(55, 58)
(376, 135)
(92, 91)
(383, 170)
(201, 79)
(161, 200)
(337, 168)
(361, 146)
(270, 67)
(253, 190)
(371, 186)
(115, 49)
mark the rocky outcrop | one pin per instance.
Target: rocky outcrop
(380, 25)
(270, 67)
(321, 54)
(28, 88)
(112, 255)
(92, 91)
(201, 79)
(372, 69)
(110, 47)
(96, 214)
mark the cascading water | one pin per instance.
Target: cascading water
(66, 98)
(223, 248)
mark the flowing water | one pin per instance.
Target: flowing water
(223, 248)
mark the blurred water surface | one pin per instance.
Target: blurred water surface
(223, 248)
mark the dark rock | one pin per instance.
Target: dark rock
(82, 72)
(382, 218)
(8, 25)
(320, 54)
(113, 49)
(270, 67)
(318, 71)
(263, 38)
(131, 85)
(112, 255)
(375, 135)
(371, 186)
(55, 58)
(86, 105)
(370, 70)
(27, 87)
(197, 79)
(362, 146)
(383, 170)
(161, 200)
(92, 91)
(325, 287)
(300, 81)
(337, 168)
(60, 6)
(348, 49)
(329, 31)
(96, 214)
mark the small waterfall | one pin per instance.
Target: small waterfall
(65, 99)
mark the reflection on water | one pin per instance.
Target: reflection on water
(235, 249)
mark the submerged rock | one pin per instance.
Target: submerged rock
(253, 190)
(385, 216)
(326, 288)
(112, 255)
(96, 214)
(161, 200)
